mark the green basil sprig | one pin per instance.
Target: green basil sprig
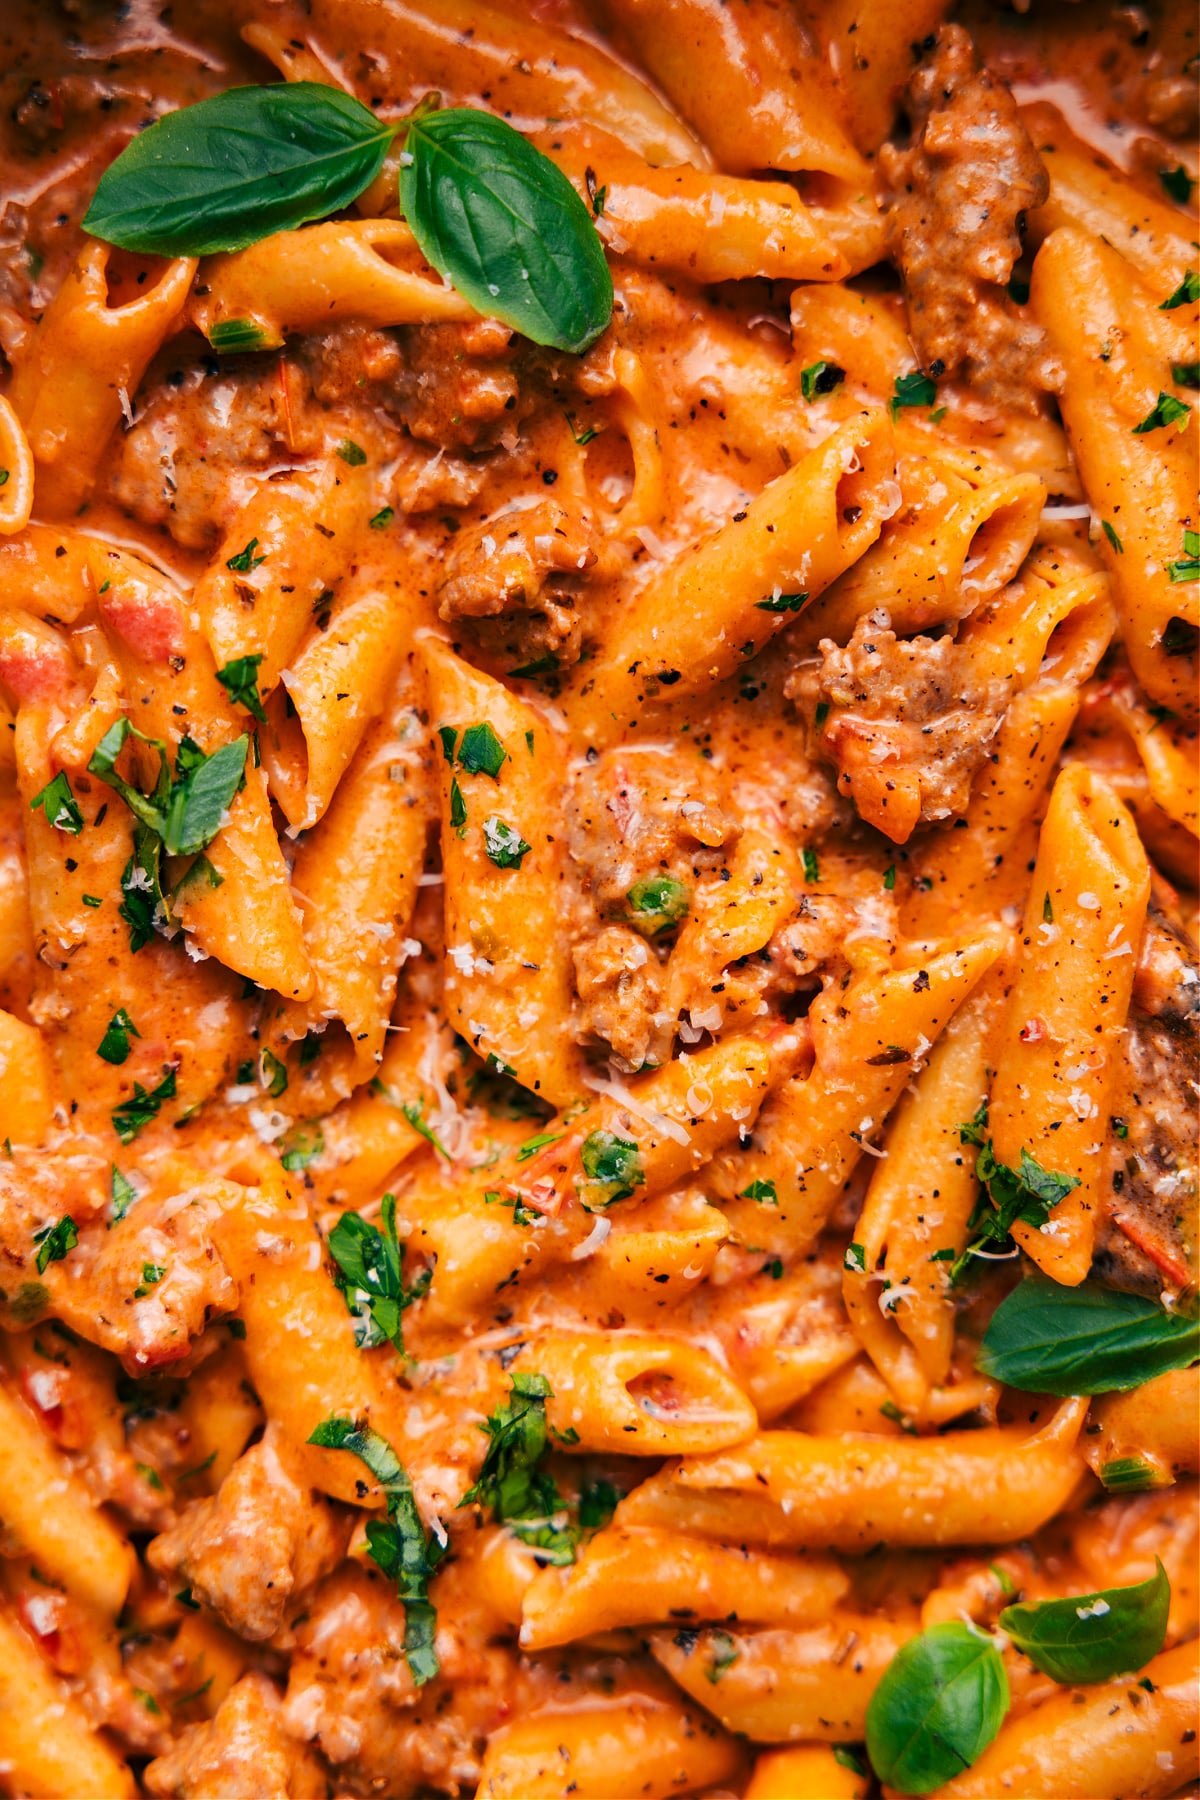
(942, 1700)
(1049, 1339)
(228, 171)
(1092, 1637)
(506, 226)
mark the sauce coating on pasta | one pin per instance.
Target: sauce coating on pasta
(598, 814)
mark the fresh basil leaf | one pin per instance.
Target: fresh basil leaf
(55, 1241)
(239, 678)
(114, 1045)
(1092, 1637)
(942, 1700)
(503, 842)
(1049, 1339)
(59, 805)
(597, 1503)
(143, 906)
(230, 170)
(400, 1547)
(519, 1493)
(505, 226)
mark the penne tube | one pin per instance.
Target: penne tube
(703, 226)
(1060, 1041)
(48, 569)
(16, 473)
(1135, 1735)
(369, 1135)
(51, 1748)
(507, 962)
(638, 1395)
(964, 529)
(863, 334)
(771, 109)
(299, 1342)
(26, 1093)
(463, 50)
(83, 364)
(791, 1491)
(917, 1210)
(782, 1685)
(48, 1512)
(1143, 484)
(698, 620)
(283, 556)
(660, 1747)
(809, 1772)
(335, 686)
(357, 875)
(642, 1577)
(1154, 1423)
(812, 1132)
(369, 270)
(1091, 196)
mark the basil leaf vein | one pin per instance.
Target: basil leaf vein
(942, 1700)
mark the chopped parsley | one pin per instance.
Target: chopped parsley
(152, 1274)
(239, 678)
(658, 902)
(1177, 184)
(352, 453)
(55, 1241)
(763, 1191)
(503, 842)
(134, 1114)
(782, 603)
(59, 805)
(458, 807)
(1184, 295)
(812, 869)
(612, 1167)
(820, 378)
(274, 1074)
(185, 813)
(245, 562)
(1187, 567)
(382, 518)
(123, 1195)
(1029, 1193)
(114, 1045)
(1112, 537)
(481, 752)
(302, 1146)
(1167, 410)
(917, 389)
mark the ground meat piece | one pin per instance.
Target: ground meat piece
(242, 1753)
(458, 389)
(619, 982)
(907, 723)
(262, 1538)
(523, 571)
(646, 816)
(350, 1691)
(958, 196)
(1148, 1239)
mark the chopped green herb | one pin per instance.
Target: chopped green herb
(782, 603)
(724, 1653)
(820, 378)
(55, 1241)
(239, 678)
(917, 389)
(458, 808)
(532, 1145)
(274, 1074)
(503, 842)
(1187, 567)
(1047, 909)
(302, 1146)
(855, 1259)
(658, 902)
(612, 1168)
(232, 337)
(370, 1264)
(382, 518)
(1112, 537)
(123, 1195)
(152, 1274)
(143, 906)
(1184, 295)
(185, 813)
(1029, 1193)
(1177, 184)
(1167, 410)
(91, 900)
(889, 877)
(245, 562)
(812, 869)
(481, 752)
(59, 805)
(134, 1114)
(400, 1546)
(352, 453)
(1130, 1475)
(519, 1493)
(763, 1191)
(153, 1478)
(821, 713)
(1120, 1127)
(1186, 374)
(114, 1045)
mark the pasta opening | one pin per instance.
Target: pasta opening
(997, 548)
